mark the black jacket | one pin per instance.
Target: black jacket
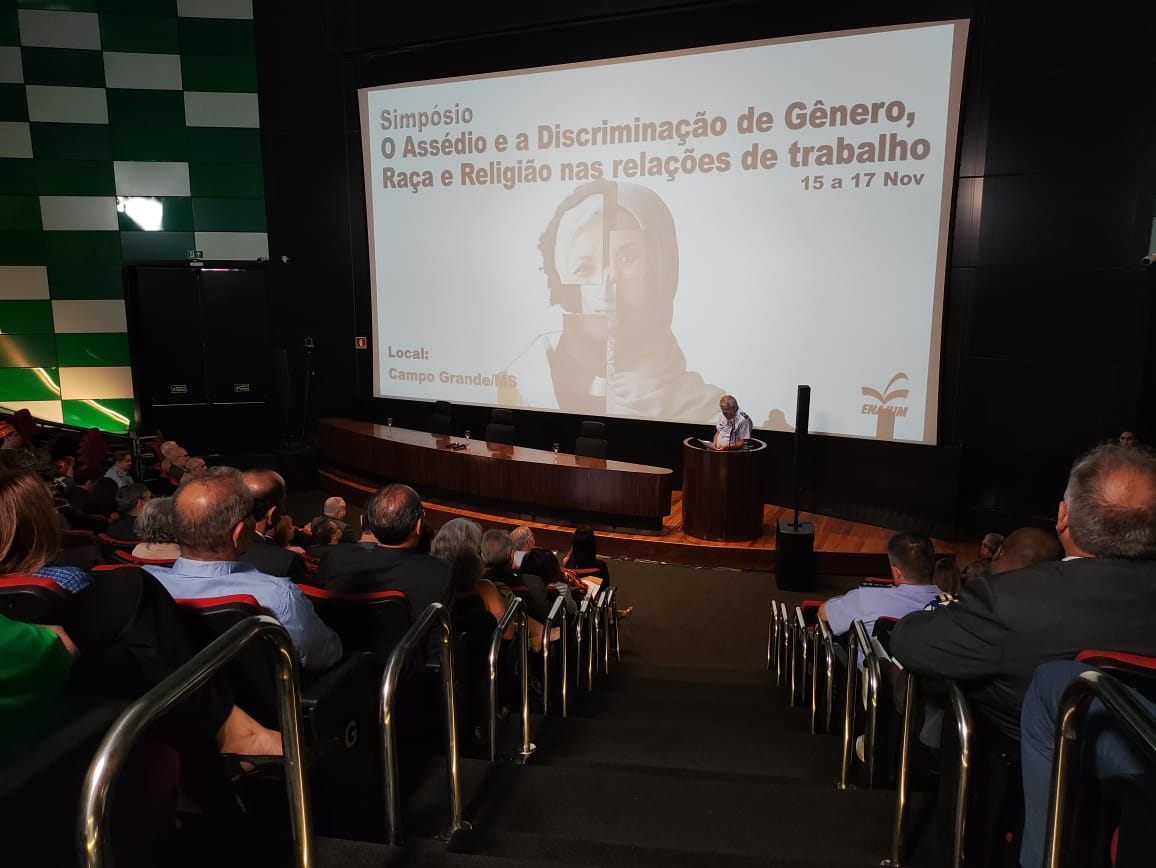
(1000, 629)
(364, 567)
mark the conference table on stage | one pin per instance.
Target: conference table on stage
(515, 475)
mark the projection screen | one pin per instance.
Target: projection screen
(635, 237)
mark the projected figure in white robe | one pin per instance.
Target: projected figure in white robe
(611, 260)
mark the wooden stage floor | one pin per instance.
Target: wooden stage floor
(842, 547)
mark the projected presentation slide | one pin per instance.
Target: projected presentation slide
(639, 236)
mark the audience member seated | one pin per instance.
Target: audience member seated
(326, 534)
(1107, 751)
(912, 558)
(130, 500)
(121, 465)
(78, 490)
(1103, 595)
(387, 556)
(196, 465)
(258, 548)
(34, 665)
(990, 545)
(523, 538)
(544, 564)
(154, 527)
(30, 536)
(498, 567)
(212, 513)
(1129, 438)
(583, 554)
(283, 533)
(980, 568)
(102, 500)
(174, 460)
(459, 543)
(1026, 547)
(946, 576)
(335, 510)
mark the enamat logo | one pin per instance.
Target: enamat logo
(884, 414)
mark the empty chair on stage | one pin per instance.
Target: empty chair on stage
(501, 427)
(591, 442)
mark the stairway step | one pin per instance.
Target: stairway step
(756, 752)
(540, 849)
(697, 710)
(340, 853)
(742, 817)
(653, 672)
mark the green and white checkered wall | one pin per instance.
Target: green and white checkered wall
(115, 115)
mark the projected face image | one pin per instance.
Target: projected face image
(613, 284)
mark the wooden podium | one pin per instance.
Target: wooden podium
(722, 491)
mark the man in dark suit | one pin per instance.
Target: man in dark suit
(130, 500)
(1102, 595)
(268, 490)
(387, 557)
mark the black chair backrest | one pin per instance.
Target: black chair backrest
(882, 631)
(590, 447)
(502, 416)
(31, 598)
(373, 622)
(1134, 670)
(497, 433)
(439, 421)
(592, 429)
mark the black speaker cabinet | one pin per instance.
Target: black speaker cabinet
(795, 556)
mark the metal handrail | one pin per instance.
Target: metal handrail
(898, 845)
(515, 614)
(829, 669)
(592, 641)
(617, 643)
(791, 650)
(1136, 722)
(115, 747)
(859, 642)
(801, 656)
(547, 629)
(434, 616)
(581, 628)
(961, 713)
(784, 642)
(607, 612)
(772, 637)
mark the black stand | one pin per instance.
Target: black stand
(795, 555)
(305, 392)
(795, 540)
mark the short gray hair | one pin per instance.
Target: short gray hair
(728, 402)
(1101, 522)
(457, 536)
(521, 536)
(155, 522)
(497, 548)
(460, 542)
(207, 508)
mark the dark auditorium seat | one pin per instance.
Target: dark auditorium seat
(338, 710)
(591, 441)
(31, 598)
(439, 421)
(501, 427)
(373, 622)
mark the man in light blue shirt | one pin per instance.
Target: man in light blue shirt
(733, 426)
(912, 559)
(212, 513)
(121, 465)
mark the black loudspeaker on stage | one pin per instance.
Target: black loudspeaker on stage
(794, 539)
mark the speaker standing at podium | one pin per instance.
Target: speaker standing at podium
(734, 426)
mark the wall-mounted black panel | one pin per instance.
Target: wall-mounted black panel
(164, 307)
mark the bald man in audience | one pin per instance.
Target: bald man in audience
(268, 490)
(1102, 595)
(335, 510)
(1026, 547)
(387, 556)
(212, 514)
